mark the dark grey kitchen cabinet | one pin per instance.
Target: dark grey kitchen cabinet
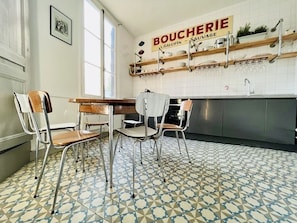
(206, 117)
(244, 118)
(271, 120)
(281, 120)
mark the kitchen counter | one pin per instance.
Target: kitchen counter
(257, 96)
(261, 118)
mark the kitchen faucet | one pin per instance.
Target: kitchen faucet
(248, 84)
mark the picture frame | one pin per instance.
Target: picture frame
(60, 25)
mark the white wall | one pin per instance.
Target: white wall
(266, 78)
(57, 67)
(125, 54)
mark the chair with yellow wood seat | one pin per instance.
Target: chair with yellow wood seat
(184, 122)
(23, 108)
(41, 105)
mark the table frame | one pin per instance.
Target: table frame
(108, 107)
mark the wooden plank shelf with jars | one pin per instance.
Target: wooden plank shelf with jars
(272, 41)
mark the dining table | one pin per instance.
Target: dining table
(110, 107)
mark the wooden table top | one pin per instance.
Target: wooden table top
(103, 101)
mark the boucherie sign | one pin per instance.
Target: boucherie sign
(209, 30)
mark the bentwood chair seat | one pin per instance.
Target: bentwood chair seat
(171, 126)
(40, 104)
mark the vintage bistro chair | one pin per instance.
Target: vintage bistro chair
(41, 104)
(148, 105)
(23, 108)
(184, 122)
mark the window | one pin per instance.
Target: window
(109, 58)
(99, 52)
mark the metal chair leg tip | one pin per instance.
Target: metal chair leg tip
(35, 178)
(35, 196)
(133, 196)
(53, 212)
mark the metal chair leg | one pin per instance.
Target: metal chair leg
(121, 140)
(158, 152)
(83, 156)
(155, 146)
(36, 157)
(42, 169)
(116, 146)
(102, 157)
(161, 145)
(177, 138)
(184, 138)
(133, 173)
(140, 147)
(59, 178)
(160, 164)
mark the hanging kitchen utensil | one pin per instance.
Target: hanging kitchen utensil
(141, 43)
(220, 42)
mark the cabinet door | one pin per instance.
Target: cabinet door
(206, 117)
(14, 60)
(281, 121)
(244, 118)
(13, 65)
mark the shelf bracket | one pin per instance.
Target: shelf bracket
(279, 40)
(159, 58)
(189, 51)
(227, 50)
(135, 61)
(189, 54)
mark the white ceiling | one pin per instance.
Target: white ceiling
(144, 16)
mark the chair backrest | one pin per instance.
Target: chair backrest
(152, 105)
(37, 98)
(41, 104)
(23, 108)
(186, 109)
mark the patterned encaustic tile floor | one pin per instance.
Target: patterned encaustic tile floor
(224, 183)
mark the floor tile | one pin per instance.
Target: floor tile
(223, 183)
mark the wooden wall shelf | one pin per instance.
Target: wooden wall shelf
(241, 46)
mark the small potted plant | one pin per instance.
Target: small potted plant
(244, 34)
(261, 29)
(244, 31)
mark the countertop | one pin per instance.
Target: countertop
(252, 96)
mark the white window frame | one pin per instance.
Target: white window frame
(103, 15)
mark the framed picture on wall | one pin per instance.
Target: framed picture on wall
(60, 25)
